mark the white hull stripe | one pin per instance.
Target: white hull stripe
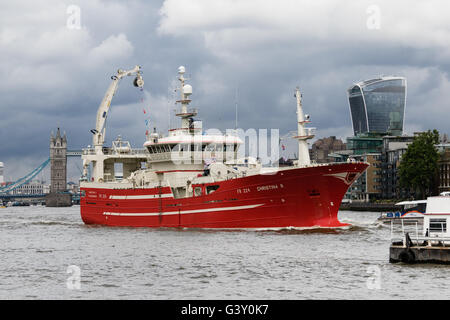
(181, 212)
(140, 197)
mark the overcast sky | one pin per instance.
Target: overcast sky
(55, 68)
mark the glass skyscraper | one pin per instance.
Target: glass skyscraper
(378, 105)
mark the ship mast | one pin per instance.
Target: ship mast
(303, 134)
(185, 90)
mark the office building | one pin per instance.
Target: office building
(444, 167)
(394, 147)
(378, 106)
(322, 148)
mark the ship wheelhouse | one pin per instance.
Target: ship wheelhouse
(216, 147)
(193, 148)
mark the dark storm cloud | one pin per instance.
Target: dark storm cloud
(53, 76)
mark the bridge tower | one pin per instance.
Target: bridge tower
(58, 162)
(58, 172)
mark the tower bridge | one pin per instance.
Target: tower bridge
(74, 153)
(58, 195)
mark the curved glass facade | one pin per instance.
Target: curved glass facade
(358, 110)
(378, 106)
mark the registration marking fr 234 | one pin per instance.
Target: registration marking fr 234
(243, 190)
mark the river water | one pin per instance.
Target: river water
(48, 253)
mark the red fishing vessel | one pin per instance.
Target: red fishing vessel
(189, 179)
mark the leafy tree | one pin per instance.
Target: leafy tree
(418, 169)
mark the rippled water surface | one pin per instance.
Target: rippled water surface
(38, 244)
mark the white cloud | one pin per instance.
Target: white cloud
(430, 104)
(237, 26)
(112, 48)
(38, 50)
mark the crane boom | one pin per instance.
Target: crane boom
(100, 129)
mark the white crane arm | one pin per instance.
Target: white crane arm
(102, 113)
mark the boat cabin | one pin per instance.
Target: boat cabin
(409, 207)
(437, 217)
(407, 210)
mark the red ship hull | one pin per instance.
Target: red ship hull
(297, 197)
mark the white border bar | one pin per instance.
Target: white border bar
(140, 197)
(181, 212)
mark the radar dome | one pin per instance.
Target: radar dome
(187, 89)
(181, 70)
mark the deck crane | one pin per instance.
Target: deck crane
(99, 132)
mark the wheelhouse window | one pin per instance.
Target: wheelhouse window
(230, 147)
(211, 189)
(438, 225)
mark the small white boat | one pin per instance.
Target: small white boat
(411, 211)
(431, 244)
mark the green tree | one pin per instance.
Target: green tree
(418, 169)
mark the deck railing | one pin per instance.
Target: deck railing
(111, 151)
(410, 235)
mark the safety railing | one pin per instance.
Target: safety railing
(111, 151)
(408, 234)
